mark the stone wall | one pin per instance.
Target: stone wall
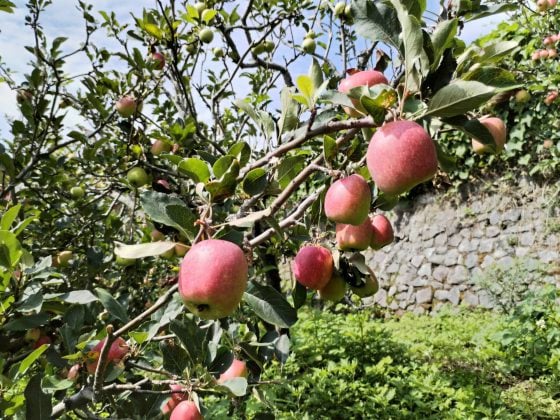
(444, 243)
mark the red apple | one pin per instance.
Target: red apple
(361, 78)
(237, 369)
(552, 3)
(498, 130)
(335, 289)
(213, 278)
(552, 53)
(548, 40)
(73, 372)
(118, 350)
(175, 399)
(351, 237)
(535, 56)
(186, 410)
(542, 5)
(348, 200)
(159, 147)
(401, 155)
(44, 339)
(313, 266)
(158, 60)
(543, 53)
(126, 106)
(382, 232)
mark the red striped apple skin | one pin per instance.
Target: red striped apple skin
(348, 200)
(401, 155)
(382, 232)
(313, 266)
(350, 237)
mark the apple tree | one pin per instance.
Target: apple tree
(154, 198)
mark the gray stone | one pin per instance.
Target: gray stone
(470, 299)
(549, 256)
(458, 275)
(468, 245)
(486, 245)
(440, 273)
(393, 268)
(436, 285)
(425, 270)
(487, 261)
(451, 258)
(414, 234)
(401, 296)
(454, 240)
(465, 233)
(381, 298)
(419, 310)
(493, 231)
(494, 218)
(419, 282)
(527, 239)
(440, 240)
(472, 260)
(499, 253)
(454, 295)
(477, 233)
(432, 231)
(485, 300)
(424, 295)
(394, 305)
(441, 295)
(512, 215)
(552, 241)
(506, 261)
(417, 260)
(521, 252)
(392, 290)
(428, 243)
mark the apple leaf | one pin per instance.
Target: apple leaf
(288, 119)
(195, 168)
(458, 98)
(222, 165)
(191, 336)
(241, 151)
(27, 322)
(28, 361)
(376, 21)
(10, 249)
(9, 216)
(330, 148)
(442, 37)
(38, 404)
(80, 297)
(7, 6)
(270, 305)
(150, 249)
(485, 11)
(237, 386)
(255, 181)
(175, 357)
(51, 383)
(112, 305)
(472, 128)
(493, 76)
(180, 217)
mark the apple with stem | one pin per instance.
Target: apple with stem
(137, 177)
(348, 200)
(381, 232)
(157, 60)
(497, 129)
(117, 351)
(127, 106)
(237, 369)
(313, 266)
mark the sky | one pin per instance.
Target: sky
(63, 19)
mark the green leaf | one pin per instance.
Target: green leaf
(255, 181)
(330, 148)
(79, 297)
(38, 404)
(249, 220)
(485, 11)
(376, 111)
(376, 22)
(9, 216)
(237, 386)
(305, 86)
(316, 74)
(472, 128)
(112, 305)
(442, 38)
(289, 118)
(175, 358)
(459, 97)
(241, 151)
(52, 384)
(222, 165)
(7, 6)
(180, 217)
(195, 168)
(153, 30)
(191, 336)
(288, 168)
(27, 322)
(494, 52)
(270, 305)
(30, 359)
(150, 249)
(10, 249)
(493, 76)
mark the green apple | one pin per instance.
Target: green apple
(63, 258)
(137, 177)
(339, 8)
(200, 7)
(77, 192)
(206, 35)
(218, 52)
(309, 45)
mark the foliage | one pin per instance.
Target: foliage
(445, 366)
(250, 138)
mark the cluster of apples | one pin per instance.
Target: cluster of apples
(544, 54)
(544, 5)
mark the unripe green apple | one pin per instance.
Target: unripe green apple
(159, 147)
(339, 8)
(186, 410)
(348, 11)
(269, 46)
(218, 52)
(137, 177)
(401, 155)
(200, 7)
(335, 289)
(382, 232)
(497, 129)
(237, 369)
(313, 266)
(368, 288)
(213, 278)
(127, 106)
(125, 262)
(522, 96)
(77, 192)
(206, 35)
(309, 45)
(192, 47)
(259, 48)
(348, 200)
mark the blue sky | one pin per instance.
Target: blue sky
(63, 19)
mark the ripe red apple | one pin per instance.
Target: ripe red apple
(551, 97)
(401, 155)
(186, 410)
(498, 130)
(382, 232)
(369, 288)
(159, 147)
(335, 289)
(552, 3)
(352, 237)
(44, 339)
(548, 40)
(118, 350)
(237, 369)
(158, 60)
(175, 399)
(126, 106)
(137, 177)
(313, 266)
(535, 56)
(213, 278)
(543, 53)
(552, 53)
(348, 200)
(361, 78)
(542, 5)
